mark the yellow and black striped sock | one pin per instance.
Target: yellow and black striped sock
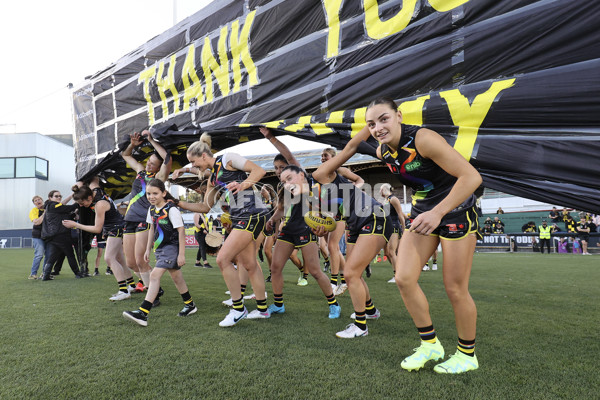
(130, 282)
(325, 259)
(466, 346)
(370, 307)
(360, 320)
(334, 279)
(238, 305)
(122, 286)
(146, 307)
(304, 275)
(278, 300)
(243, 289)
(187, 299)
(427, 334)
(342, 278)
(331, 300)
(261, 305)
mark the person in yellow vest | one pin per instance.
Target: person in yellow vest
(545, 231)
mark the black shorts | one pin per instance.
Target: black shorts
(375, 225)
(166, 256)
(298, 241)
(255, 225)
(112, 231)
(457, 225)
(135, 227)
(585, 238)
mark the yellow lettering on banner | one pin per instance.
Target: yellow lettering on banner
(193, 90)
(332, 10)
(446, 5)
(378, 29)
(211, 66)
(470, 117)
(274, 124)
(167, 83)
(336, 117)
(359, 120)
(145, 77)
(412, 110)
(302, 122)
(241, 54)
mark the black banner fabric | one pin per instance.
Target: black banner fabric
(512, 85)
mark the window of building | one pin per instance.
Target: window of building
(24, 167)
(7, 167)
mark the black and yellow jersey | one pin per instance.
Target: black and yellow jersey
(430, 183)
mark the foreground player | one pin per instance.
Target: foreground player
(443, 208)
(109, 222)
(295, 234)
(167, 237)
(135, 235)
(232, 177)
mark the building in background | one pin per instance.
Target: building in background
(30, 164)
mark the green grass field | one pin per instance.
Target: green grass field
(537, 338)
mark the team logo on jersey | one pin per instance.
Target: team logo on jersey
(413, 165)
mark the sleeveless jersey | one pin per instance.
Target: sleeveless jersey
(387, 205)
(164, 233)
(196, 229)
(346, 201)
(294, 216)
(430, 183)
(139, 204)
(112, 217)
(242, 204)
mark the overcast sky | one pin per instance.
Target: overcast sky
(45, 45)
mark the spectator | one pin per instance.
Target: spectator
(200, 232)
(545, 236)
(498, 225)
(530, 228)
(554, 215)
(499, 210)
(583, 228)
(596, 222)
(565, 214)
(57, 236)
(36, 215)
(570, 224)
(487, 229)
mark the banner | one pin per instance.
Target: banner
(512, 85)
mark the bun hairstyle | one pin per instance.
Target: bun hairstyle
(81, 193)
(386, 189)
(202, 146)
(331, 151)
(384, 100)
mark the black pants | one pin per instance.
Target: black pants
(200, 238)
(544, 242)
(58, 246)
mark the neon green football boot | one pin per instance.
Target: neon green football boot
(425, 352)
(457, 364)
